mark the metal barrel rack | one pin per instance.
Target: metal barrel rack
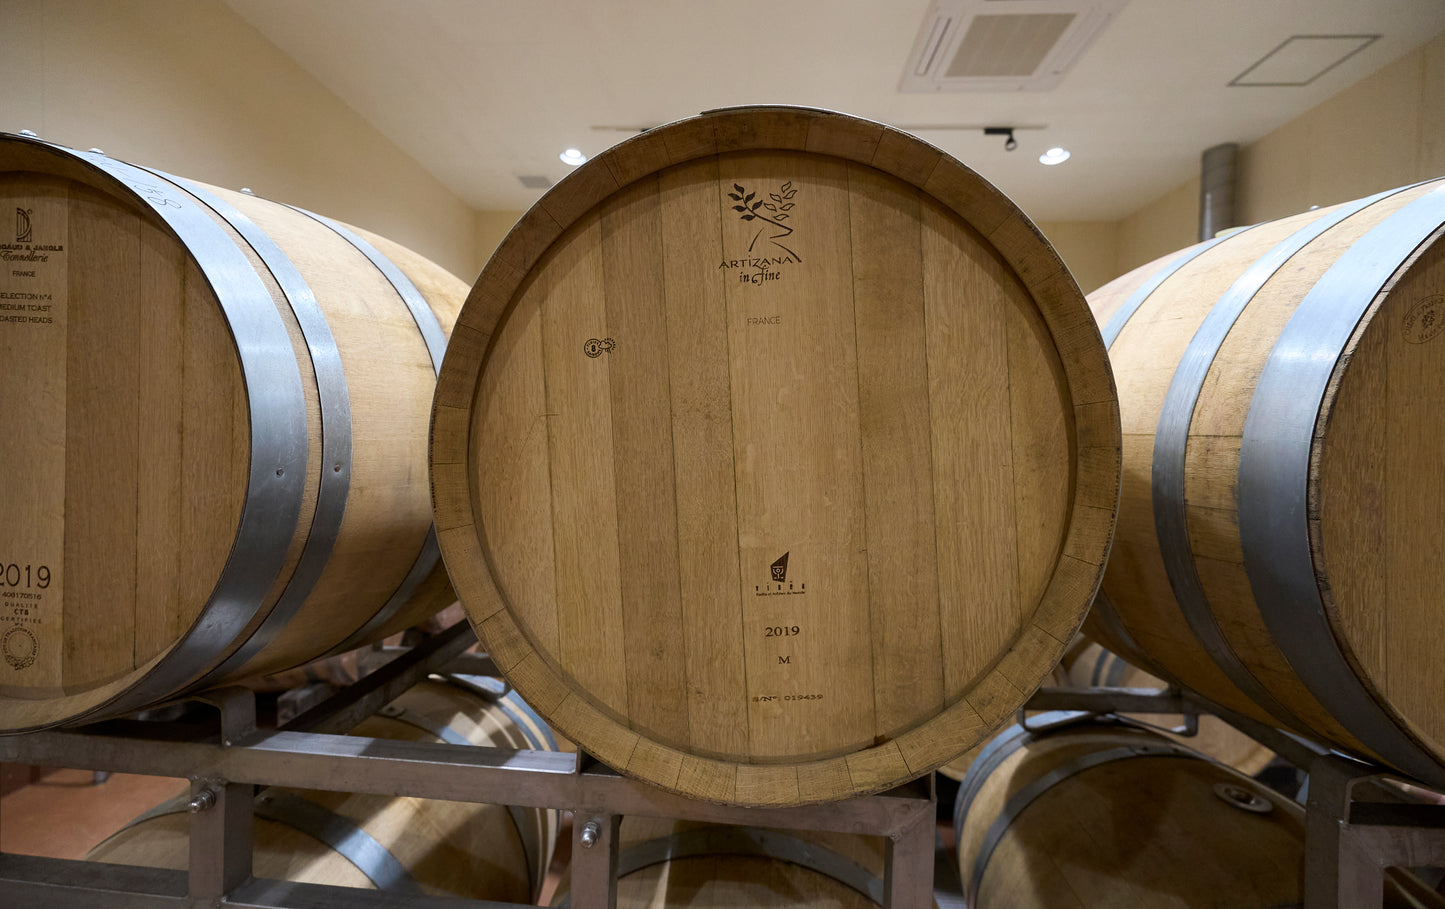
(1356, 824)
(227, 757)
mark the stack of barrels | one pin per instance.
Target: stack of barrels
(775, 457)
(774, 454)
(1279, 550)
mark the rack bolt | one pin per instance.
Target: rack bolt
(590, 832)
(204, 800)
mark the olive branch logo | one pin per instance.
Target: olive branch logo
(779, 206)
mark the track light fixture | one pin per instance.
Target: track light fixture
(1009, 143)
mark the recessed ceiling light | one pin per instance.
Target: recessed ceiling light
(573, 157)
(1054, 155)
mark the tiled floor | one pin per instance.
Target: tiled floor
(67, 814)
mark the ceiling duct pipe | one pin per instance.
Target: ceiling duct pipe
(1216, 189)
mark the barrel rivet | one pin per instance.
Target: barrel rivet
(204, 800)
(30, 133)
(247, 190)
(1242, 798)
(590, 832)
(98, 151)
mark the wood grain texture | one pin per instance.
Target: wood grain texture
(101, 416)
(1144, 356)
(1182, 845)
(702, 427)
(140, 429)
(725, 877)
(387, 510)
(33, 355)
(797, 456)
(460, 849)
(584, 484)
(1219, 419)
(1381, 501)
(972, 455)
(640, 384)
(897, 448)
(823, 494)
(1374, 544)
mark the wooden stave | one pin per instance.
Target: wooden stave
(492, 299)
(518, 842)
(431, 296)
(196, 656)
(1321, 687)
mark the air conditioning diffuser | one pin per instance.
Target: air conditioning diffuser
(1003, 45)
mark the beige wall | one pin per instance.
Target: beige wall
(1168, 223)
(1089, 248)
(492, 227)
(186, 86)
(1384, 131)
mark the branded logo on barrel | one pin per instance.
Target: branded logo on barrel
(780, 568)
(22, 225)
(19, 647)
(1425, 320)
(780, 586)
(767, 253)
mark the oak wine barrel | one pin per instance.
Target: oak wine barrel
(663, 863)
(214, 430)
(790, 466)
(404, 845)
(1092, 814)
(1281, 542)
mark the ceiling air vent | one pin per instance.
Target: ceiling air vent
(1302, 59)
(534, 181)
(1003, 45)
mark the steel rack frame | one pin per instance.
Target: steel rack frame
(1357, 822)
(227, 756)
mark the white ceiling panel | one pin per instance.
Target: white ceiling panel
(481, 92)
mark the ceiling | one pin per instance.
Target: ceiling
(481, 92)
